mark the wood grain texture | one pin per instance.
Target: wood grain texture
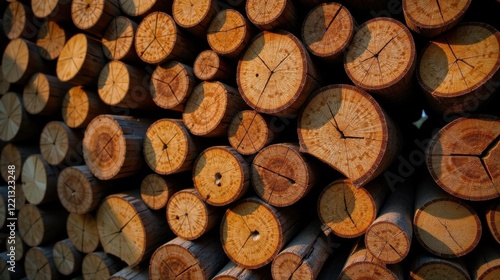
(194, 16)
(171, 84)
(209, 66)
(273, 14)
(100, 266)
(20, 61)
(93, 16)
(41, 225)
(249, 132)
(58, 143)
(39, 180)
(82, 232)
(81, 105)
(15, 123)
(51, 39)
(66, 257)
(39, 264)
(118, 40)
(135, 8)
(156, 190)
(43, 94)
(17, 21)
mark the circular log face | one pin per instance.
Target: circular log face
(384, 235)
(15, 60)
(50, 40)
(251, 233)
(14, 20)
(156, 190)
(155, 37)
(137, 7)
(171, 84)
(43, 8)
(75, 191)
(447, 227)
(75, 107)
(35, 180)
(438, 269)
(66, 259)
(272, 72)
(36, 93)
(39, 264)
(206, 65)
(72, 57)
(327, 30)
(288, 265)
(174, 261)
(464, 158)
(31, 225)
(86, 13)
(454, 68)
(187, 214)
(54, 142)
(82, 231)
(11, 116)
(114, 83)
(228, 33)
(190, 13)
(248, 132)
(263, 12)
(100, 266)
(118, 38)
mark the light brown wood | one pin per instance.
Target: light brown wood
(39, 264)
(428, 267)
(183, 259)
(156, 190)
(171, 84)
(80, 61)
(253, 232)
(221, 175)
(58, 143)
(493, 220)
(17, 21)
(349, 211)
(275, 75)
(249, 132)
(456, 68)
(345, 127)
(189, 216)
(464, 158)
(93, 16)
(78, 190)
(444, 225)
(281, 175)
(118, 39)
(41, 225)
(20, 61)
(327, 31)
(229, 33)
(15, 124)
(210, 108)
(82, 232)
(231, 271)
(381, 59)
(100, 266)
(43, 94)
(431, 18)
(136, 8)
(158, 39)
(15, 154)
(389, 237)
(485, 263)
(273, 14)
(304, 256)
(194, 16)
(56, 10)
(125, 86)
(169, 148)
(112, 146)
(51, 39)
(39, 180)
(209, 66)
(128, 229)
(139, 272)
(67, 259)
(80, 106)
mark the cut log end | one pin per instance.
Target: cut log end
(388, 242)
(56, 140)
(493, 220)
(171, 85)
(157, 190)
(50, 40)
(194, 16)
(31, 226)
(99, 265)
(362, 265)
(249, 132)
(20, 60)
(11, 116)
(93, 16)
(209, 66)
(80, 106)
(135, 8)
(118, 39)
(43, 94)
(82, 231)
(39, 263)
(272, 14)
(66, 258)
(229, 33)
(16, 20)
(38, 180)
(79, 192)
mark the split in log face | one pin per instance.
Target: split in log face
(349, 211)
(136, 8)
(249, 132)
(272, 14)
(57, 142)
(275, 74)
(327, 31)
(20, 61)
(169, 148)
(118, 39)
(66, 258)
(344, 127)
(39, 264)
(229, 33)
(281, 175)
(83, 233)
(427, 267)
(93, 16)
(459, 70)
(430, 18)
(80, 106)
(15, 155)
(171, 85)
(221, 175)
(100, 266)
(50, 40)
(157, 190)
(188, 216)
(43, 94)
(39, 226)
(381, 58)
(39, 180)
(209, 66)
(17, 21)
(464, 158)
(15, 124)
(194, 16)
(493, 220)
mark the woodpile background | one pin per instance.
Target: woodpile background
(256, 139)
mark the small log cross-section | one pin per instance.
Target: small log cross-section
(17, 21)
(58, 143)
(15, 124)
(156, 190)
(20, 61)
(100, 266)
(221, 175)
(281, 175)
(349, 211)
(275, 75)
(194, 16)
(39, 226)
(389, 236)
(304, 256)
(67, 259)
(273, 14)
(183, 259)
(39, 264)
(80, 106)
(430, 18)
(171, 84)
(345, 127)
(158, 39)
(128, 229)
(169, 148)
(444, 225)
(493, 220)
(253, 232)
(464, 158)
(39, 180)
(381, 58)
(51, 39)
(428, 267)
(485, 263)
(118, 40)
(229, 33)
(209, 66)
(327, 31)
(249, 132)
(458, 71)
(82, 231)
(112, 146)
(210, 108)
(80, 60)
(15, 155)
(93, 16)
(43, 94)
(189, 216)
